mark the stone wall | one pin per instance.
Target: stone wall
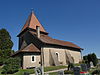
(48, 61)
(61, 55)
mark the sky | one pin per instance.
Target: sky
(76, 21)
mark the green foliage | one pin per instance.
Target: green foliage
(91, 58)
(31, 71)
(4, 55)
(5, 40)
(85, 59)
(20, 71)
(5, 45)
(94, 59)
(11, 65)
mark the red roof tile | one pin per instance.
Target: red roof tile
(49, 40)
(32, 22)
(29, 48)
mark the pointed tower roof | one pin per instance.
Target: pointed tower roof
(32, 22)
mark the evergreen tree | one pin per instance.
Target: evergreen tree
(5, 45)
(5, 40)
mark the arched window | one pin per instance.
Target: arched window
(57, 55)
(33, 59)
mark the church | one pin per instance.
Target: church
(36, 46)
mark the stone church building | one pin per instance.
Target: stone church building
(35, 44)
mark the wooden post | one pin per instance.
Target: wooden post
(42, 60)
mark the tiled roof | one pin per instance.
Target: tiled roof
(29, 48)
(32, 22)
(49, 40)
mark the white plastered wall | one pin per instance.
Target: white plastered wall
(62, 56)
(27, 61)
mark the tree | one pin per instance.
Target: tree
(91, 58)
(11, 65)
(85, 58)
(5, 40)
(94, 59)
(5, 45)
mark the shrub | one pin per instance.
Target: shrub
(11, 66)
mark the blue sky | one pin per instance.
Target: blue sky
(77, 21)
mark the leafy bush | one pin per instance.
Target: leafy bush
(11, 66)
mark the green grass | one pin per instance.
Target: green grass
(21, 71)
(31, 71)
(68, 72)
(77, 64)
(54, 73)
(51, 68)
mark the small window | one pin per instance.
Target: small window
(32, 58)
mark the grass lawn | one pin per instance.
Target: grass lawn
(31, 71)
(54, 73)
(77, 64)
(21, 71)
(51, 68)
